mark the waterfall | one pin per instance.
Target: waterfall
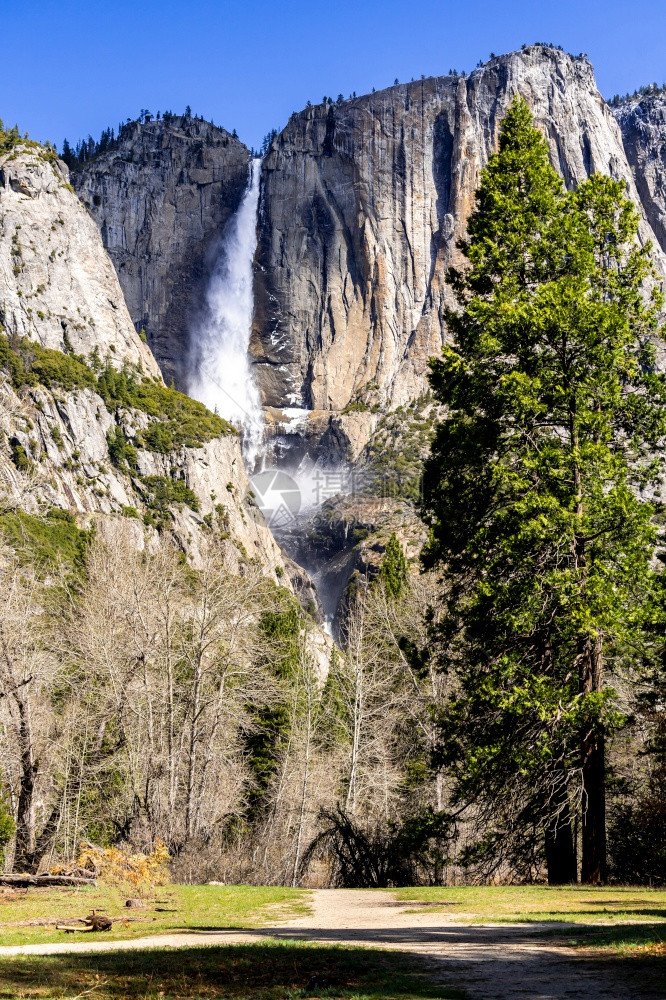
(222, 378)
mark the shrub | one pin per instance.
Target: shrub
(7, 828)
(115, 866)
(121, 452)
(48, 541)
(381, 855)
(19, 456)
(163, 493)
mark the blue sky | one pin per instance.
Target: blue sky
(70, 67)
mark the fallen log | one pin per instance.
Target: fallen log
(94, 922)
(23, 881)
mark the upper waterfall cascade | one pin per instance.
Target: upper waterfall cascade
(222, 375)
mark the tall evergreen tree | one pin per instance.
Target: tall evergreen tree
(538, 495)
(393, 570)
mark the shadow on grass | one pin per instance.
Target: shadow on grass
(616, 936)
(575, 916)
(271, 971)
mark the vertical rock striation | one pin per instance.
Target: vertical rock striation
(643, 124)
(361, 206)
(161, 200)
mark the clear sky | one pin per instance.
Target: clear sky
(72, 67)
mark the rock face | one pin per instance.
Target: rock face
(347, 539)
(361, 206)
(643, 124)
(65, 438)
(56, 440)
(58, 284)
(161, 200)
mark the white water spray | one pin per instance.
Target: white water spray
(223, 378)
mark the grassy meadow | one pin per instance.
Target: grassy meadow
(29, 916)
(540, 903)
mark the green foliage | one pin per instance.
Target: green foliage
(281, 628)
(9, 138)
(57, 436)
(651, 90)
(46, 542)
(11, 141)
(122, 453)
(28, 363)
(394, 457)
(177, 421)
(163, 493)
(20, 456)
(7, 827)
(637, 827)
(536, 491)
(393, 570)
(381, 854)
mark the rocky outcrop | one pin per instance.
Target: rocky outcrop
(68, 438)
(643, 124)
(361, 206)
(161, 199)
(55, 453)
(346, 540)
(57, 283)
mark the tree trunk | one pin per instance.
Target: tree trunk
(593, 866)
(25, 818)
(560, 854)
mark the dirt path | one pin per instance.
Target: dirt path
(492, 962)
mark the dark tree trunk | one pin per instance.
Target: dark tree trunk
(560, 853)
(25, 823)
(593, 865)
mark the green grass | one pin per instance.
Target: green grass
(30, 916)
(638, 950)
(518, 904)
(269, 971)
(622, 939)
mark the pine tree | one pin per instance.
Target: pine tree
(393, 570)
(67, 154)
(537, 494)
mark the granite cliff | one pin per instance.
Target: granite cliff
(361, 206)
(642, 120)
(58, 285)
(161, 199)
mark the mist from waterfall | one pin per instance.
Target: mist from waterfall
(222, 376)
